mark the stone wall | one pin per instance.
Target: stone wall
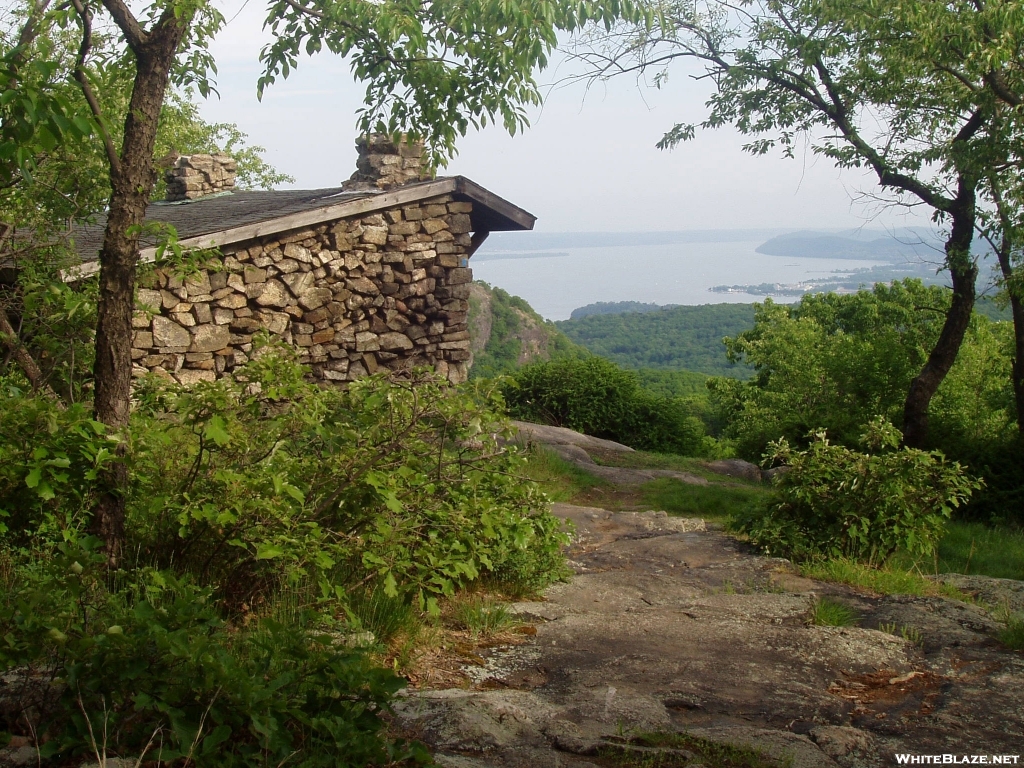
(386, 290)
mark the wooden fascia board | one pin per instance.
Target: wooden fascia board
(499, 205)
(342, 210)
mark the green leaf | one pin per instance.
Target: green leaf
(268, 551)
(216, 430)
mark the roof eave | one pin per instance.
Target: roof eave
(500, 215)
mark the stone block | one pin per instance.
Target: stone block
(430, 226)
(190, 377)
(435, 209)
(459, 223)
(142, 339)
(210, 338)
(392, 341)
(277, 322)
(274, 295)
(364, 286)
(375, 235)
(460, 275)
(234, 301)
(367, 342)
(201, 312)
(167, 333)
(218, 280)
(298, 252)
(325, 336)
(315, 297)
(299, 282)
(244, 325)
(460, 207)
(198, 284)
(254, 275)
(404, 228)
(149, 301)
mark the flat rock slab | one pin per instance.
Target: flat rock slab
(668, 626)
(573, 447)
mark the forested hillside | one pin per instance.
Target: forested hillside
(680, 338)
(506, 333)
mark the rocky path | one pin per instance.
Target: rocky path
(670, 627)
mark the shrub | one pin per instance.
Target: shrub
(153, 671)
(259, 505)
(598, 398)
(264, 478)
(838, 502)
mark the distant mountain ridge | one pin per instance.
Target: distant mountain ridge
(909, 245)
(616, 308)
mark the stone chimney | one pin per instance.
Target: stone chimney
(195, 176)
(383, 164)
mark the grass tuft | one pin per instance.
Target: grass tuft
(887, 580)
(832, 613)
(387, 617)
(481, 616)
(1013, 635)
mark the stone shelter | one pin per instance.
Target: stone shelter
(372, 275)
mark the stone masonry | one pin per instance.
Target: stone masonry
(380, 291)
(385, 164)
(195, 176)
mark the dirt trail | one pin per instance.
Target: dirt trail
(668, 626)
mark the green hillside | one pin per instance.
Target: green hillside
(675, 338)
(506, 333)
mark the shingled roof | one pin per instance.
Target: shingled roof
(233, 217)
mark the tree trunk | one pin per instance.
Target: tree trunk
(964, 274)
(1017, 310)
(132, 184)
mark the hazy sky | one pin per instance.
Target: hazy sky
(587, 163)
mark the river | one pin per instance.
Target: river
(558, 280)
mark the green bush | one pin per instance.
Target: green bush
(598, 398)
(264, 478)
(838, 502)
(153, 671)
(262, 511)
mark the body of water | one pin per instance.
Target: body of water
(677, 273)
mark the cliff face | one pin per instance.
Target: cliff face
(505, 333)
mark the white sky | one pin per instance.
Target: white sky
(588, 163)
